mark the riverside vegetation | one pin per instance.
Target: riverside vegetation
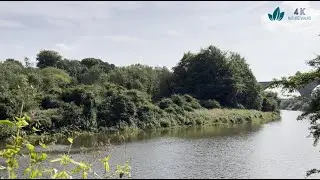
(211, 87)
(89, 95)
(295, 104)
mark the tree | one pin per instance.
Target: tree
(211, 74)
(54, 79)
(9, 60)
(73, 67)
(312, 112)
(27, 62)
(89, 62)
(93, 62)
(141, 77)
(48, 58)
(249, 90)
(203, 75)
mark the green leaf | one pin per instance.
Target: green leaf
(56, 160)
(27, 117)
(8, 146)
(22, 124)
(270, 17)
(35, 129)
(70, 140)
(33, 155)
(19, 119)
(43, 157)
(43, 145)
(7, 122)
(2, 168)
(27, 170)
(276, 13)
(84, 175)
(281, 16)
(106, 159)
(30, 147)
(106, 166)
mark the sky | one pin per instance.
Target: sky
(158, 33)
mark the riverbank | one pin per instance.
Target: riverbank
(295, 104)
(202, 117)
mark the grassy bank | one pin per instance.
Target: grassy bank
(202, 117)
(230, 116)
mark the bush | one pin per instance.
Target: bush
(270, 103)
(165, 103)
(178, 100)
(71, 117)
(42, 119)
(164, 123)
(210, 104)
(50, 101)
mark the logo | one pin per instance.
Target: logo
(299, 15)
(277, 15)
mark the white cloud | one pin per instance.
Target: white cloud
(66, 10)
(291, 25)
(173, 33)
(256, 5)
(10, 24)
(63, 46)
(122, 38)
(19, 46)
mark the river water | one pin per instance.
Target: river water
(278, 149)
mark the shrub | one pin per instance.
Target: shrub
(165, 103)
(210, 104)
(178, 100)
(50, 102)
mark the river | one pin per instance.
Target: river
(278, 149)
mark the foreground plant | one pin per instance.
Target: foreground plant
(36, 168)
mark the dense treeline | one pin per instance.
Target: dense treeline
(295, 104)
(90, 94)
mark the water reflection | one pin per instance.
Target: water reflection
(274, 150)
(188, 133)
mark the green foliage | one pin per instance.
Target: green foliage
(296, 104)
(66, 95)
(211, 73)
(73, 67)
(36, 169)
(48, 58)
(270, 102)
(210, 104)
(54, 79)
(140, 77)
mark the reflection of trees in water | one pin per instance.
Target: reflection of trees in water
(93, 141)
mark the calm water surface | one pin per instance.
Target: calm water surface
(275, 150)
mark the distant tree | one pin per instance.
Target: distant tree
(48, 58)
(89, 62)
(27, 62)
(205, 75)
(93, 62)
(73, 67)
(141, 77)
(10, 60)
(249, 90)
